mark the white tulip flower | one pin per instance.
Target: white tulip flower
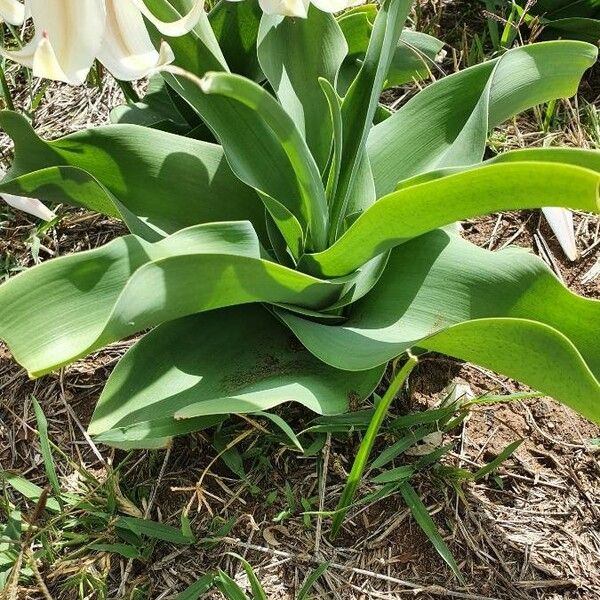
(12, 11)
(299, 8)
(70, 34)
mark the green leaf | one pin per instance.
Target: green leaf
(311, 580)
(153, 530)
(413, 58)
(197, 51)
(444, 294)
(138, 166)
(362, 99)
(236, 28)
(137, 285)
(42, 427)
(198, 588)
(228, 587)
(125, 550)
(284, 426)
(397, 448)
(294, 54)
(396, 475)
(262, 144)
(425, 522)
(258, 593)
(240, 360)
(334, 105)
(447, 123)
(494, 464)
(575, 28)
(366, 445)
(156, 433)
(569, 19)
(29, 490)
(416, 209)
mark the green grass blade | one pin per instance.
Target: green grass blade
(311, 580)
(422, 517)
(154, 530)
(228, 587)
(42, 427)
(258, 593)
(198, 588)
(364, 451)
(403, 444)
(494, 464)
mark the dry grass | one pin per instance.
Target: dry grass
(535, 537)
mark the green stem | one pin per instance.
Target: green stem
(364, 451)
(6, 89)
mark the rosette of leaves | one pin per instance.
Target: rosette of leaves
(309, 238)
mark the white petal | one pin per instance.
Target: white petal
(333, 6)
(68, 36)
(12, 11)
(127, 50)
(286, 8)
(29, 205)
(561, 223)
(173, 28)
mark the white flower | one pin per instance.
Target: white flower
(12, 11)
(299, 8)
(29, 205)
(70, 34)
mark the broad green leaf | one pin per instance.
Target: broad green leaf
(559, 9)
(568, 19)
(416, 209)
(262, 144)
(413, 58)
(447, 123)
(158, 109)
(138, 166)
(93, 298)
(442, 293)
(154, 434)
(575, 28)
(236, 28)
(362, 99)
(239, 358)
(334, 105)
(294, 54)
(199, 50)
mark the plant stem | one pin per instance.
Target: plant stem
(6, 89)
(364, 451)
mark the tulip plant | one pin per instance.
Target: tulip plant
(296, 236)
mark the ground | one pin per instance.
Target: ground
(528, 532)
